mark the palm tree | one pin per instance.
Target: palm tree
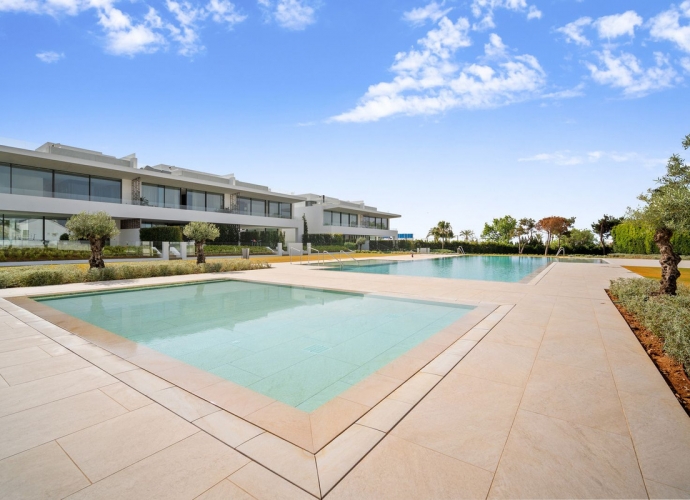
(441, 231)
(467, 234)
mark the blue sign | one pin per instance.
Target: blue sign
(405, 236)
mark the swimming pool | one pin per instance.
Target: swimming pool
(487, 268)
(301, 346)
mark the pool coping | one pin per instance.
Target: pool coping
(372, 407)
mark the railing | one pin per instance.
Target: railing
(362, 226)
(291, 250)
(560, 249)
(461, 250)
(235, 210)
(348, 255)
(336, 258)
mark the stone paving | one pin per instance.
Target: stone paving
(554, 398)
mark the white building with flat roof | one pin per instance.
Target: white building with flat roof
(41, 189)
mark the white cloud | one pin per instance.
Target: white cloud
(685, 63)
(50, 56)
(626, 72)
(566, 157)
(573, 31)
(290, 14)
(429, 79)
(431, 12)
(126, 34)
(484, 11)
(618, 24)
(666, 26)
(577, 91)
(223, 11)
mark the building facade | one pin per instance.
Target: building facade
(41, 189)
(351, 219)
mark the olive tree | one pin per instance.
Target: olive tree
(360, 242)
(95, 227)
(201, 232)
(666, 210)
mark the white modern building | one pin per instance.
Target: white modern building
(41, 189)
(352, 219)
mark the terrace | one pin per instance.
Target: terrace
(541, 391)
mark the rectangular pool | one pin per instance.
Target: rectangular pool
(486, 268)
(300, 346)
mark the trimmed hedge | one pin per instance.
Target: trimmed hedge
(633, 238)
(233, 250)
(162, 233)
(19, 254)
(62, 274)
(667, 317)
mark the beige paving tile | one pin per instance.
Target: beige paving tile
(427, 350)
(3, 383)
(476, 334)
(416, 388)
(90, 351)
(660, 430)
(44, 472)
(286, 421)
(634, 372)
(263, 484)
(183, 470)
(189, 377)
(110, 446)
(186, 405)
(287, 460)
(466, 418)
(551, 458)
(126, 396)
(570, 350)
(225, 490)
(385, 415)
(70, 340)
(402, 368)
(42, 368)
(21, 356)
(143, 381)
(24, 430)
(23, 342)
(228, 428)
(30, 394)
(583, 396)
(663, 491)
(443, 364)
(10, 332)
(54, 349)
(234, 398)
(505, 363)
(371, 390)
(113, 364)
(343, 453)
(403, 470)
(332, 418)
(520, 334)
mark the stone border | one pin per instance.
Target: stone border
(340, 433)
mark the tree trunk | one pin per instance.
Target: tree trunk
(546, 247)
(669, 262)
(200, 257)
(96, 259)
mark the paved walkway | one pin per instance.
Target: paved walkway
(558, 400)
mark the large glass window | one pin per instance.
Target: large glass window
(353, 220)
(32, 182)
(214, 202)
(196, 200)
(71, 186)
(273, 209)
(172, 197)
(54, 228)
(104, 190)
(4, 178)
(259, 207)
(152, 196)
(243, 206)
(286, 210)
(327, 218)
(20, 228)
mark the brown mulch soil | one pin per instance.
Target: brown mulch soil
(672, 371)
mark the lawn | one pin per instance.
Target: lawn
(655, 273)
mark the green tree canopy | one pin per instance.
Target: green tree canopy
(201, 232)
(666, 210)
(603, 228)
(500, 230)
(96, 228)
(441, 231)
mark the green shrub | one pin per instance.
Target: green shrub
(631, 237)
(162, 233)
(62, 274)
(666, 316)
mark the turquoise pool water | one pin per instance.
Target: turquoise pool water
(300, 346)
(487, 268)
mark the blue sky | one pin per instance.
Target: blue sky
(458, 110)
